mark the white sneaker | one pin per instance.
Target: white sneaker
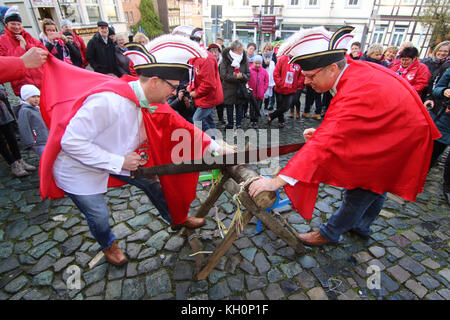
(17, 170)
(26, 166)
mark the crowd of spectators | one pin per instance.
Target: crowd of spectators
(236, 81)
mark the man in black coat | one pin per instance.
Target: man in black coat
(101, 51)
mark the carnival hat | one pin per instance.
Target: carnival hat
(316, 47)
(213, 45)
(165, 57)
(190, 32)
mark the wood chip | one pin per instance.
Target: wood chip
(395, 198)
(96, 259)
(61, 217)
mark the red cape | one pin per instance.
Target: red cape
(376, 135)
(59, 103)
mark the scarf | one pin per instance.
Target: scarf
(237, 58)
(65, 50)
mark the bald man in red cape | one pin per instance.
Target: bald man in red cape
(377, 137)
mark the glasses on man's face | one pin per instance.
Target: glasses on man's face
(311, 76)
(174, 87)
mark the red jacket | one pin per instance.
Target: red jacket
(377, 135)
(82, 46)
(12, 68)
(10, 46)
(417, 74)
(287, 76)
(207, 84)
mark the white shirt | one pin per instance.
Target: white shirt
(293, 181)
(95, 143)
(96, 140)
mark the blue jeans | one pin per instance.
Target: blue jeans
(96, 210)
(205, 115)
(358, 210)
(230, 115)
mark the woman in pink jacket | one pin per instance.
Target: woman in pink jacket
(259, 82)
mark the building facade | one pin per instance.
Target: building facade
(394, 22)
(83, 14)
(383, 21)
(131, 11)
(185, 12)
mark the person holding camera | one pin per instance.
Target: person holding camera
(57, 43)
(182, 103)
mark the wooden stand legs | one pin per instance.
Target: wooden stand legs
(255, 207)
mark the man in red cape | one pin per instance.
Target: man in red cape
(377, 137)
(96, 126)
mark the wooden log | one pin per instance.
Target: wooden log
(215, 257)
(213, 197)
(196, 246)
(272, 223)
(242, 173)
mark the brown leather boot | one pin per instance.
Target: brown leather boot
(115, 255)
(313, 238)
(291, 115)
(190, 223)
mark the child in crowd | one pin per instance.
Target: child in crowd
(32, 129)
(269, 65)
(9, 147)
(259, 82)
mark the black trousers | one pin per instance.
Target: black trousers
(255, 109)
(297, 104)
(8, 139)
(220, 110)
(284, 103)
(447, 174)
(311, 97)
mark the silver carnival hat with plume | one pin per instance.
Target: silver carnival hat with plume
(316, 47)
(165, 57)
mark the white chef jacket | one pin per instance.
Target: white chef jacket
(95, 143)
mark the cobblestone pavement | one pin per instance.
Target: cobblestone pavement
(409, 244)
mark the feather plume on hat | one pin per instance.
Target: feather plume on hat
(316, 47)
(166, 57)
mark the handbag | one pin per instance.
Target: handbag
(243, 91)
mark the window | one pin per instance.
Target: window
(245, 3)
(398, 36)
(71, 11)
(293, 2)
(130, 20)
(110, 10)
(126, 16)
(378, 35)
(312, 4)
(93, 10)
(352, 3)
